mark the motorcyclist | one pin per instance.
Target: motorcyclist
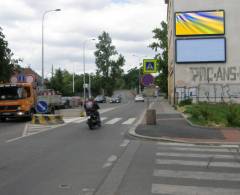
(91, 106)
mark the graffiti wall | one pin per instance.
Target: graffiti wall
(212, 84)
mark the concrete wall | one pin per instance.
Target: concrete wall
(209, 82)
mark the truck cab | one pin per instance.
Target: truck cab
(17, 100)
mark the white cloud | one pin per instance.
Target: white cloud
(129, 23)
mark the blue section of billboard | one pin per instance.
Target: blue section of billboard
(209, 50)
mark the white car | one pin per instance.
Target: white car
(139, 98)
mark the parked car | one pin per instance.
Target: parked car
(139, 98)
(115, 99)
(100, 99)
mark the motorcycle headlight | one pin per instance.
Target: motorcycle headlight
(19, 108)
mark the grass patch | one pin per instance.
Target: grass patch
(214, 115)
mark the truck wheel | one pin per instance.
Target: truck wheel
(31, 113)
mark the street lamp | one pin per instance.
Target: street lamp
(84, 79)
(43, 17)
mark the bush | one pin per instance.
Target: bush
(233, 116)
(185, 102)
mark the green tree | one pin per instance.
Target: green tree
(160, 45)
(56, 82)
(6, 62)
(131, 78)
(107, 67)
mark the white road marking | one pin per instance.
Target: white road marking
(198, 149)
(25, 130)
(125, 143)
(231, 146)
(129, 121)
(172, 154)
(191, 190)
(113, 121)
(112, 158)
(104, 118)
(198, 163)
(107, 164)
(110, 161)
(197, 175)
(72, 119)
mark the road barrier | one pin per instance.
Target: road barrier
(47, 119)
(82, 114)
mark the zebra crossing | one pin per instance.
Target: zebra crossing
(107, 120)
(185, 169)
(32, 129)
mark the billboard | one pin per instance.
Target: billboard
(208, 50)
(200, 23)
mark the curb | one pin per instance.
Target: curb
(47, 119)
(182, 140)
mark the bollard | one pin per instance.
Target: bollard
(151, 117)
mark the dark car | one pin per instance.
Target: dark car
(100, 99)
(115, 99)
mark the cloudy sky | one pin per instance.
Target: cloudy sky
(129, 23)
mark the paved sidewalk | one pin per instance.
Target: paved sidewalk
(172, 126)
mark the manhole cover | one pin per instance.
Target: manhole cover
(64, 186)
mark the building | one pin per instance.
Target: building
(204, 50)
(26, 72)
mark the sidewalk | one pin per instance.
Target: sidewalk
(172, 126)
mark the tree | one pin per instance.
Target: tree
(107, 67)
(161, 45)
(6, 62)
(131, 78)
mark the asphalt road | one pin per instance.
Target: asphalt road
(70, 159)
(73, 160)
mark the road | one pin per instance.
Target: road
(71, 159)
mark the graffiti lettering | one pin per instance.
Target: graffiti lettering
(215, 74)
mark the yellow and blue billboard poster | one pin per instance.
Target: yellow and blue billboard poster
(149, 66)
(200, 23)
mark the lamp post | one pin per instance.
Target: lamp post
(84, 78)
(89, 86)
(73, 80)
(43, 17)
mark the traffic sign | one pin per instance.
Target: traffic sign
(42, 107)
(149, 65)
(147, 80)
(21, 78)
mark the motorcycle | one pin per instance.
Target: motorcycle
(93, 120)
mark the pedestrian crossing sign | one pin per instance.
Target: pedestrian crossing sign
(149, 66)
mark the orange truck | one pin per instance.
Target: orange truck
(18, 100)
